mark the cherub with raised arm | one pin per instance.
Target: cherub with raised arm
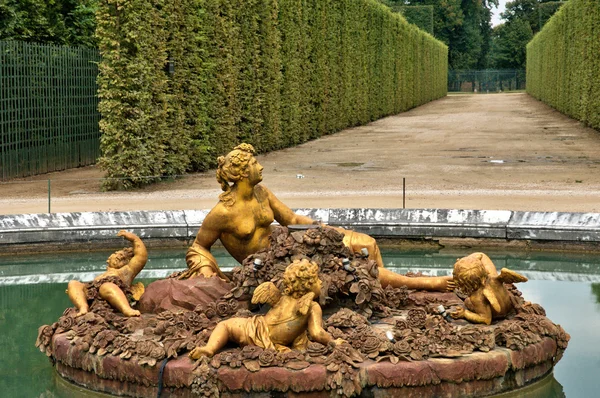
(292, 316)
(476, 276)
(122, 268)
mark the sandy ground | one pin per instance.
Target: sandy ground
(496, 151)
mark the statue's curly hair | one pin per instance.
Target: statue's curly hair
(468, 273)
(231, 168)
(299, 277)
(126, 258)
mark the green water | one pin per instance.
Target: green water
(32, 293)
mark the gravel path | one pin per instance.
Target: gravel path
(496, 151)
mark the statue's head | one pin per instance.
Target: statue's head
(237, 164)
(120, 258)
(301, 277)
(469, 273)
(234, 166)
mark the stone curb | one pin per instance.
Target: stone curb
(183, 225)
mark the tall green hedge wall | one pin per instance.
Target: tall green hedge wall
(563, 61)
(273, 73)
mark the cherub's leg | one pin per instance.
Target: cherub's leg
(356, 241)
(115, 296)
(431, 283)
(77, 293)
(224, 331)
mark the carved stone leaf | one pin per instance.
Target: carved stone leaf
(252, 365)
(360, 297)
(297, 365)
(333, 367)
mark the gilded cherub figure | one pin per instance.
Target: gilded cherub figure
(476, 276)
(293, 314)
(122, 268)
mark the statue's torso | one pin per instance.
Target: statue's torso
(248, 227)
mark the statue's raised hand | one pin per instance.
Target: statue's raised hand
(127, 235)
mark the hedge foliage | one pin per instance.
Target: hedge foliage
(273, 73)
(563, 62)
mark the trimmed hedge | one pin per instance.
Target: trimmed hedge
(274, 73)
(563, 62)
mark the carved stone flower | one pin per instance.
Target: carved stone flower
(232, 358)
(223, 309)
(194, 321)
(144, 347)
(315, 349)
(66, 322)
(267, 357)
(251, 352)
(416, 318)
(402, 347)
(371, 345)
(363, 291)
(401, 324)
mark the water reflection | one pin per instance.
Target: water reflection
(568, 286)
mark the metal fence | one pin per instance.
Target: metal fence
(486, 81)
(48, 108)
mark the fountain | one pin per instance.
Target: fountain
(379, 333)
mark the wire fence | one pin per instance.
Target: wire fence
(486, 81)
(39, 195)
(48, 108)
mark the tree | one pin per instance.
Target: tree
(508, 44)
(535, 12)
(463, 25)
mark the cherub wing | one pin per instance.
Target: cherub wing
(266, 292)
(508, 276)
(304, 303)
(489, 294)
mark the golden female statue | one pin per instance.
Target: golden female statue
(122, 268)
(293, 314)
(242, 221)
(476, 276)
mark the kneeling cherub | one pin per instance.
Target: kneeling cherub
(122, 268)
(293, 313)
(476, 276)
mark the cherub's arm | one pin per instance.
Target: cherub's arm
(140, 254)
(283, 214)
(315, 326)
(481, 311)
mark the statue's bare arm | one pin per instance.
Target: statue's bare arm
(209, 231)
(283, 214)
(140, 254)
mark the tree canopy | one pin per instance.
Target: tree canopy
(522, 19)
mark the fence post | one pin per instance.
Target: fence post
(49, 196)
(404, 192)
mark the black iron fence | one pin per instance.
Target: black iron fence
(486, 81)
(48, 108)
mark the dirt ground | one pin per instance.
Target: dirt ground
(496, 151)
